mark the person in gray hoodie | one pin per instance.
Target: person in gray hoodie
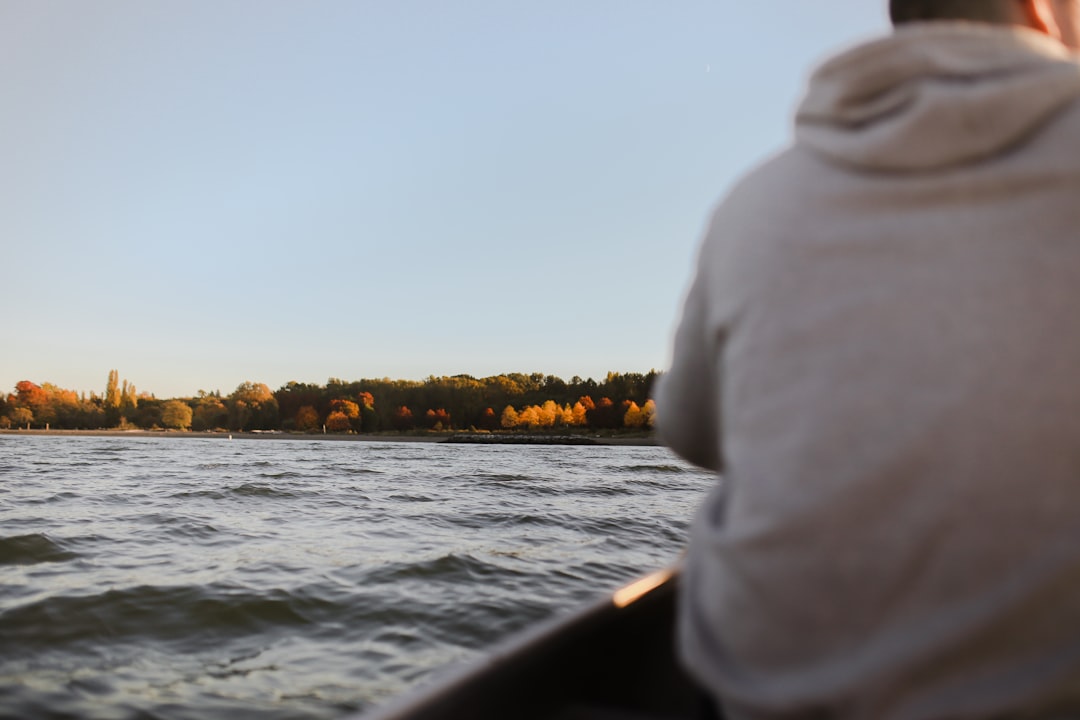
(880, 355)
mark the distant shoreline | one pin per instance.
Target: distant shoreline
(508, 439)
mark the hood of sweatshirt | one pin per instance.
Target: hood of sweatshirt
(936, 95)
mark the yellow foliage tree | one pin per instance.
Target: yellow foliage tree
(649, 411)
(549, 414)
(530, 417)
(509, 419)
(22, 416)
(633, 418)
(176, 415)
(346, 407)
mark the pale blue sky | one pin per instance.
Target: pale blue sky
(203, 192)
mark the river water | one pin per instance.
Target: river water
(185, 578)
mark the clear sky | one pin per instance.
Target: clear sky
(204, 192)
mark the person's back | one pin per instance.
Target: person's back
(888, 318)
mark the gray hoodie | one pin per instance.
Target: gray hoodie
(880, 352)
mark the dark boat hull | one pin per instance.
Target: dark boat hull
(614, 660)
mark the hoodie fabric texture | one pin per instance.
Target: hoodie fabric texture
(880, 354)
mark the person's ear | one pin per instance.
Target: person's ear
(1040, 16)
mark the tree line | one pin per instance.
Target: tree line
(510, 402)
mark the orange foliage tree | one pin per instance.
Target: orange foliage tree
(403, 419)
(338, 421)
(437, 419)
(489, 420)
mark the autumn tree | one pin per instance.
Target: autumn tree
(529, 417)
(437, 420)
(307, 419)
(468, 400)
(209, 413)
(634, 417)
(649, 411)
(403, 419)
(338, 421)
(369, 417)
(36, 400)
(129, 401)
(347, 408)
(176, 415)
(605, 414)
(252, 407)
(509, 419)
(120, 401)
(578, 415)
(489, 420)
(294, 396)
(63, 408)
(21, 417)
(550, 414)
(112, 390)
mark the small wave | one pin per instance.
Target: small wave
(209, 494)
(201, 531)
(284, 475)
(452, 567)
(407, 498)
(474, 620)
(245, 490)
(58, 497)
(112, 450)
(602, 491)
(658, 469)
(256, 490)
(507, 520)
(526, 484)
(504, 478)
(145, 614)
(32, 550)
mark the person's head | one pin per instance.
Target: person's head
(1058, 18)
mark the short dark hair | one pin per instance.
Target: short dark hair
(903, 11)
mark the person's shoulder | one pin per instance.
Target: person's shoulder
(774, 183)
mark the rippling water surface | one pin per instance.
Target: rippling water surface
(192, 578)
